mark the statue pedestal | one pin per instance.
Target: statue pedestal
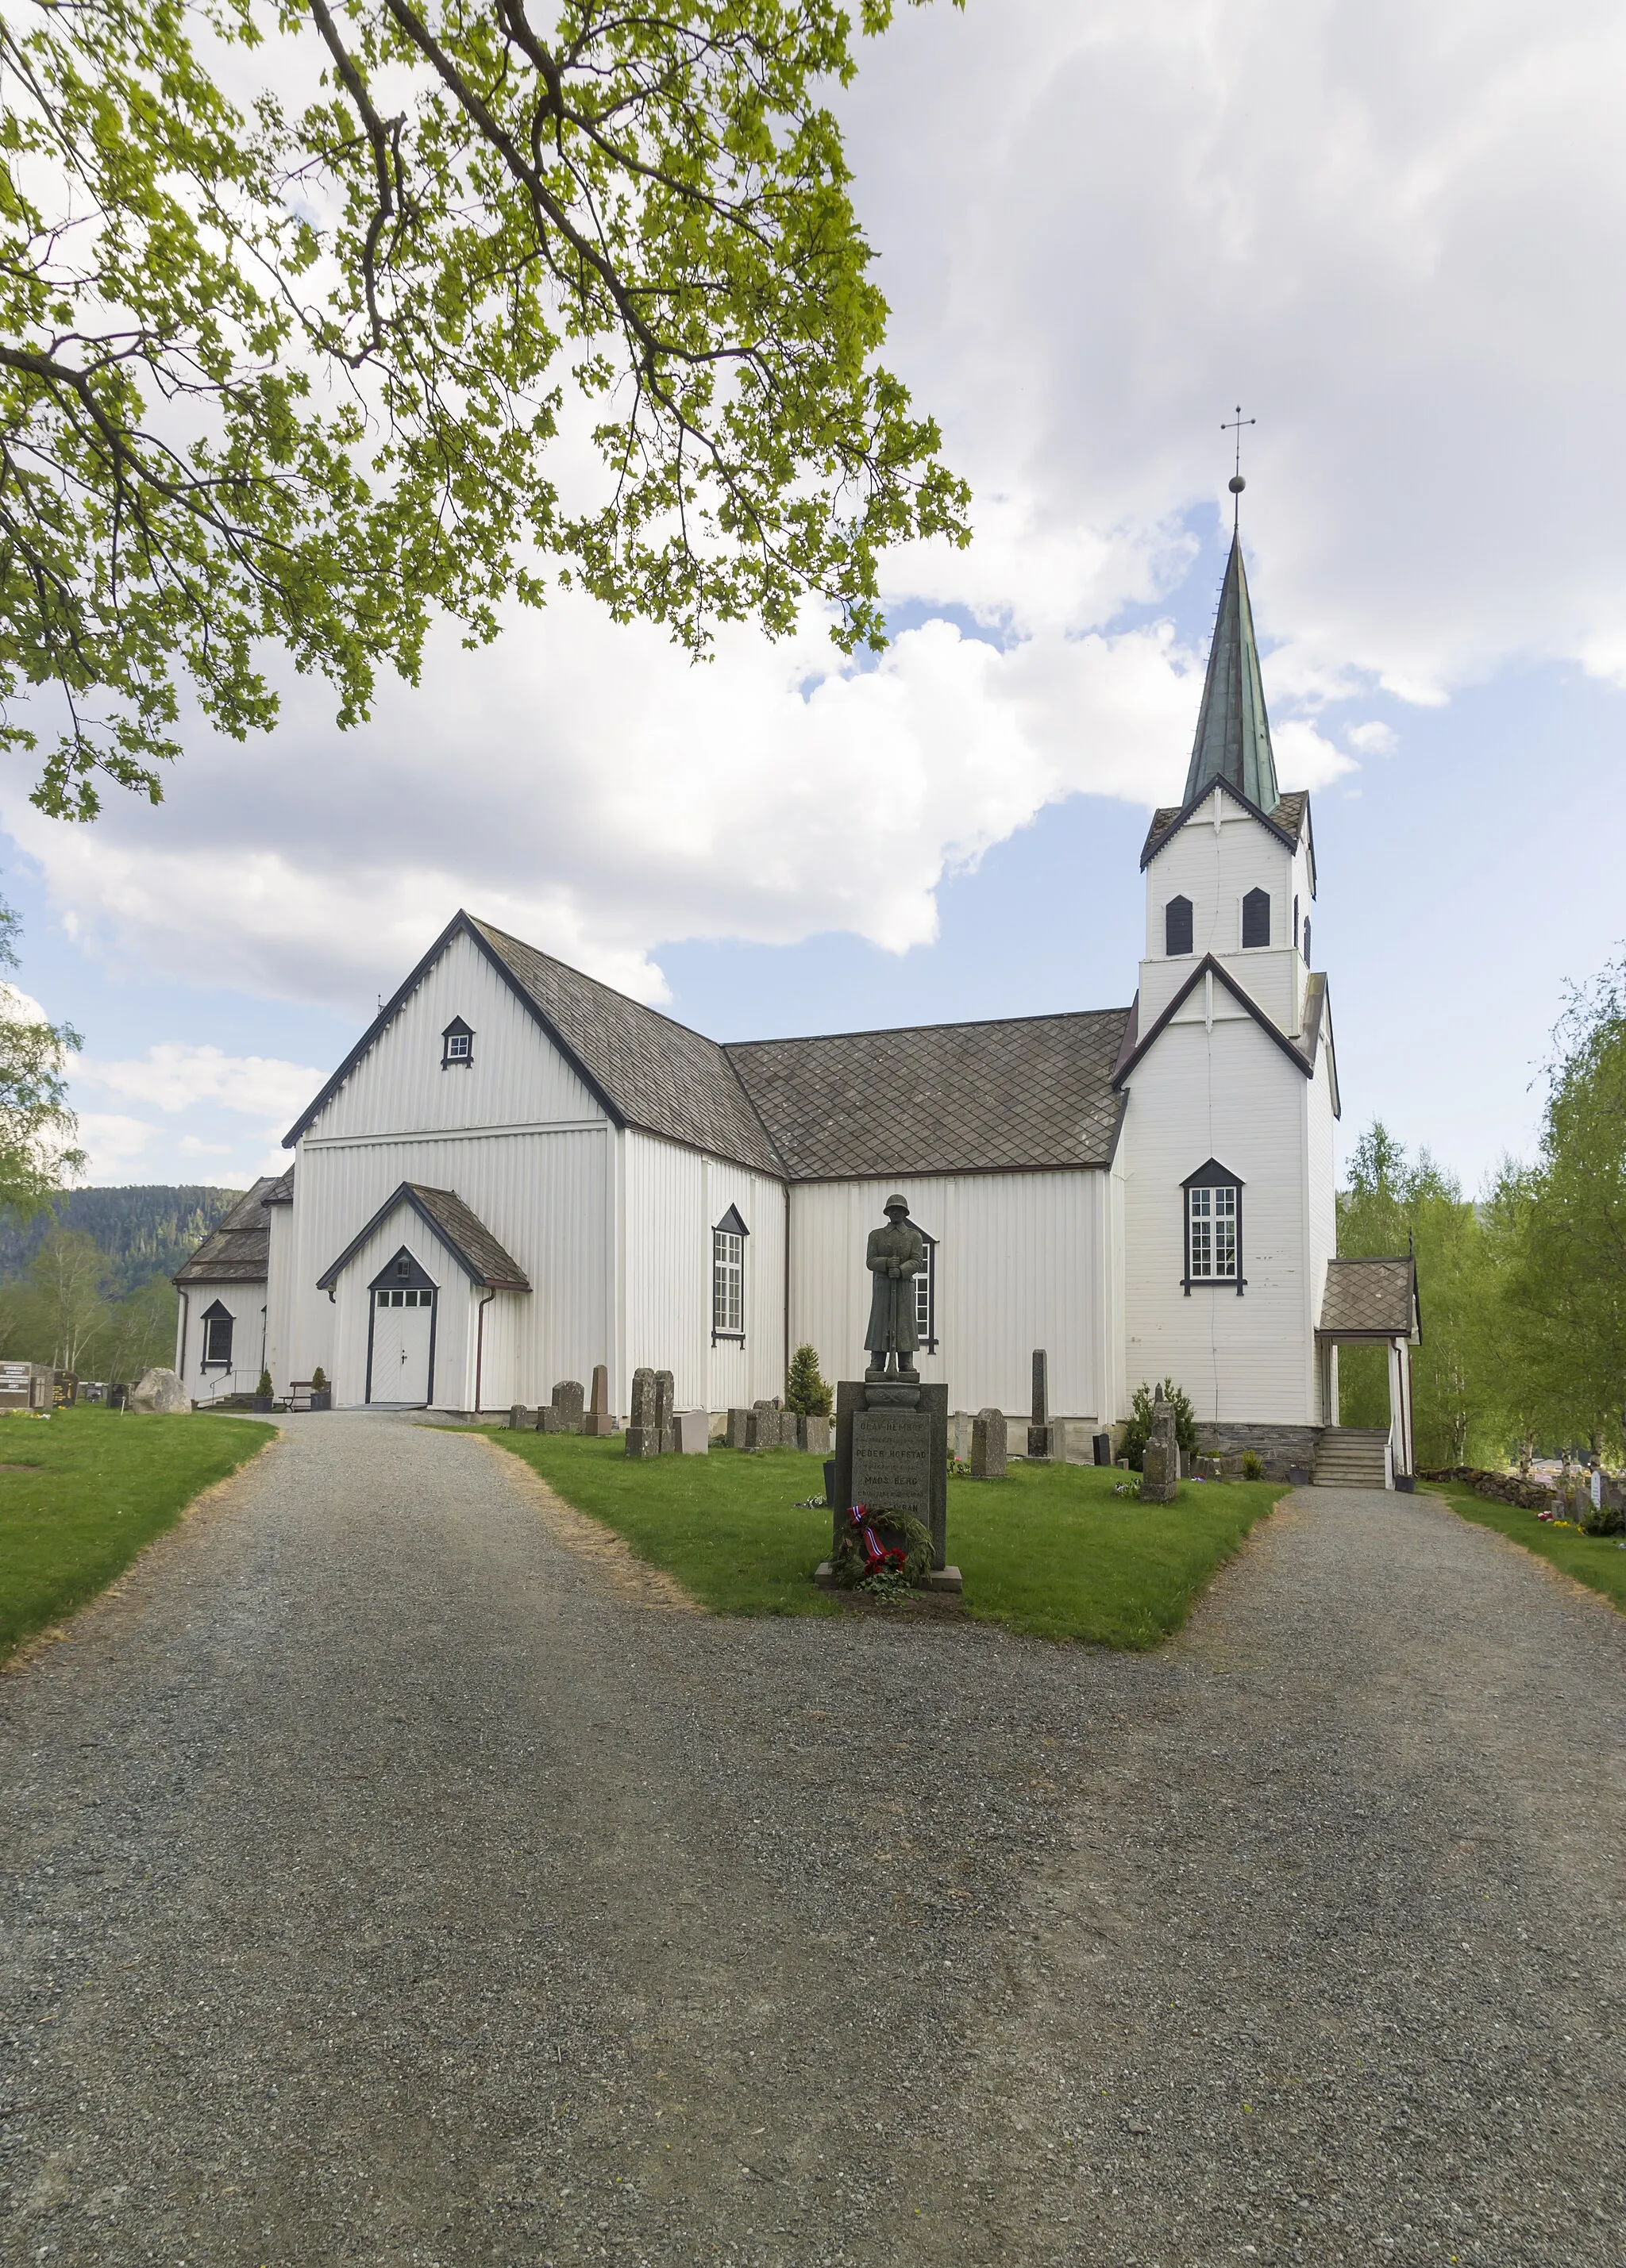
(891, 1455)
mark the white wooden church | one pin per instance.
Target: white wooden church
(519, 1173)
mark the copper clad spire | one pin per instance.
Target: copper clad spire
(1233, 733)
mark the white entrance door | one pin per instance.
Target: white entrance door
(402, 1325)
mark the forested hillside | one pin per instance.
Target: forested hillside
(142, 1232)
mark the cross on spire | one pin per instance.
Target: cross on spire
(1234, 425)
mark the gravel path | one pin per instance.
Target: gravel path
(386, 1879)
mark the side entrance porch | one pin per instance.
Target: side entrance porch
(1369, 1302)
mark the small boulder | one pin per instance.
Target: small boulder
(160, 1393)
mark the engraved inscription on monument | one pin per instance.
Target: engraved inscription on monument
(892, 1461)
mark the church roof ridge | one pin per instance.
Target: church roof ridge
(1232, 741)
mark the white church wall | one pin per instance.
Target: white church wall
(674, 1198)
(1322, 1207)
(516, 1078)
(546, 1196)
(451, 1385)
(1229, 1094)
(246, 1304)
(279, 1297)
(1023, 1261)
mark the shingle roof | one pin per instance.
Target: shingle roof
(281, 1192)
(463, 1234)
(1027, 1092)
(654, 1073)
(1369, 1297)
(1287, 816)
(238, 1250)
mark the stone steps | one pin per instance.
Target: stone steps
(1352, 1456)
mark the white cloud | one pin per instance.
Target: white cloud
(1382, 227)
(113, 1143)
(176, 1077)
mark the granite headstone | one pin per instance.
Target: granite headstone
(988, 1445)
(599, 1420)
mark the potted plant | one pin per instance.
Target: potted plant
(322, 1393)
(262, 1392)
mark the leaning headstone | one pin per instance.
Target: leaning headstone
(817, 1441)
(600, 1421)
(1159, 1469)
(737, 1432)
(988, 1445)
(691, 1432)
(665, 1389)
(567, 1407)
(160, 1393)
(1039, 1427)
(642, 1433)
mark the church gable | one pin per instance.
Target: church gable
(455, 1048)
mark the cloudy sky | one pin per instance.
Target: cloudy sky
(1395, 235)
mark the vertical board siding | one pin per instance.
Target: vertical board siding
(279, 1299)
(543, 1196)
(675, 1198)
(517, 1078)
(247, 1305)
(1022, 1262)
(1232, 1095)
(1216, 872)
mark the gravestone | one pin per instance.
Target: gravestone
(642, 1433)
(600, 1422)
(520, 1420)
(666, 1390)
(1159, 1470)
(736, 1432)
(1039, 1427)
(765, 1429)
(960, 1423)
(816, 1436)
(566, 1408)
(791, 1429)
(1103, 1445)
(691, 1432)
(988, 1445)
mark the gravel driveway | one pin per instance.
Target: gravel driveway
(387, 1880)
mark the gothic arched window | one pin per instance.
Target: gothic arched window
(1177, 926)
(1257, 918)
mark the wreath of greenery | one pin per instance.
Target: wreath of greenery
(900, 1531)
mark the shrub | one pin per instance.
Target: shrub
(1252, 1470)
(1137, 1432)
(806, 1393)
(264, 1390)
(318, 1380)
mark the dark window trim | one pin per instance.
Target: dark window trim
(218, 1312)
(1255, 898)
(1212, 1176)
(388, 1279)
(929, 1344)
(457, 1029)
(731, 1224)
(1171, 951)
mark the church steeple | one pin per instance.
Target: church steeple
(1233, 731)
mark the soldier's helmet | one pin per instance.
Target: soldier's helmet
(897, 1204)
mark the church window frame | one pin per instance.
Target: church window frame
(1177, 929)
(728, 1279)
(457, 1046)
(926, 1295)
(1211, 1205)
(219, 1324)
(1256, 921)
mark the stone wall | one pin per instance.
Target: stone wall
(1276, 1446)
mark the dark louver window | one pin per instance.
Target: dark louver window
(1256, 917)
(1177, 925)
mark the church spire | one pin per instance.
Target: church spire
(1233, 731)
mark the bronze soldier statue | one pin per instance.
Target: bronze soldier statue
(895, 1257)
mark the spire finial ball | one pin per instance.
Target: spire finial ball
(1236, 484)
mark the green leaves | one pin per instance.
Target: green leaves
(303, 372)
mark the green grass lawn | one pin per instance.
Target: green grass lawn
(94, 1485)
(1598, 1561)
(1051, 1550)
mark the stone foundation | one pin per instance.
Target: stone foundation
(1278, 1448)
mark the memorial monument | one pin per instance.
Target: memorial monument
(892, 1429)
(1159, 1466)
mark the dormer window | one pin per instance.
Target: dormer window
(1177, 927)
(1255, 919)
(457, 1045)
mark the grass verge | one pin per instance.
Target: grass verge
(83, 1492)
(1050, 1552)
(1598, 1561)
